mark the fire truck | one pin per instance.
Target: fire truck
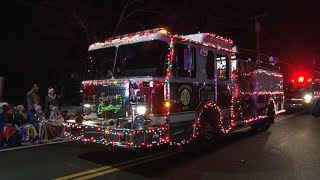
(302, 90)
(152, 87)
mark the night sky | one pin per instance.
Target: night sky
(46, 41)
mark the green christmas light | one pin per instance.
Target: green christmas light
(102, 107)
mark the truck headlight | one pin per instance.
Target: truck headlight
(307, 98)
(89, 108)
(141, 110)
(140, 122)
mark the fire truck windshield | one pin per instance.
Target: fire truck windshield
(138, 59)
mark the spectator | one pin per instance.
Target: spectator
(38, 116)
(2, 124)
(53, 129)
(32, 99)
(55, 116)
(28, 131)
(10, 128)
(50, 100)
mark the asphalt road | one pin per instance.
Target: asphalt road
(288, 150)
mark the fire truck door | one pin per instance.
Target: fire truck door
(206, 76)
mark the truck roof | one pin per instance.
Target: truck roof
(205, 39)
(211, 40)
(158, 33)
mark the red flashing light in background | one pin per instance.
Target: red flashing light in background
(301, 79)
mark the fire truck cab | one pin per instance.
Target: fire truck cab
(151, 87)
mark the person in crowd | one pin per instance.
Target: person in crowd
(52, 129)
(10, 128)
(33, 98)
(2, 124)
(39, 121)
(38, 117)
(51, 100)
(28, 131)
(55, 115)
(57, 122)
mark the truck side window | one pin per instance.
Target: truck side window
(210, 65)
(184, 64)
(240, 67)
(223, 66)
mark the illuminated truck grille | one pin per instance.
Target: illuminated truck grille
(112, 102)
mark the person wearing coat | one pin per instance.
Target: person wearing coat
(50, 100)
(28, 131)
(52, 129)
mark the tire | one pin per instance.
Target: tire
(209, 131)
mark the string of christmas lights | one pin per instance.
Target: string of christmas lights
(127, 38)
(219, 38)
(218, 47)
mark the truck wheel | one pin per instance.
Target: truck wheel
(208, 128)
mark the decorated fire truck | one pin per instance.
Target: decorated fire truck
(152, 87)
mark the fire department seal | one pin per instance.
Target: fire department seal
(185, 97)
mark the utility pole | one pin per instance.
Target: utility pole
(257, 30)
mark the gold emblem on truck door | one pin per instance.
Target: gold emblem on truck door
(185, 97)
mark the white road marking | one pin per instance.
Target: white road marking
(36, 145)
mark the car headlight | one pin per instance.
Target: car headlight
(307, 98)
(141, 110)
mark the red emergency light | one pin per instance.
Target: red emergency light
(301, 79)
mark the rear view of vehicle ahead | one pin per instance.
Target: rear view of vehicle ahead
(301, 92)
